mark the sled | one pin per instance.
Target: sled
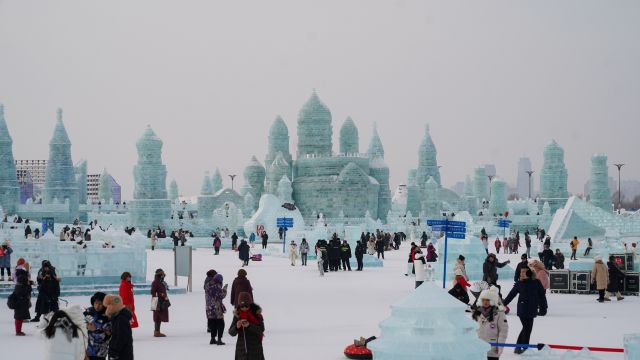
(357, 352)
(256, 257)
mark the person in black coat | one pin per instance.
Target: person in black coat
(48, 290)
(490, 270)
(265, 239)
(380, 248)
(524, 264)
(248, 325)
(21, 300)
(423, 239)
(334, 255)
(615, 278)
(121, 342)
(234, 241)
(360, 250)
(548, 258)
(531, 303)
(243, 252)
(345, 255)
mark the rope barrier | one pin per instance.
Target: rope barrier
(560, 347)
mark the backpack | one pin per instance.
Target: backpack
(11, 301)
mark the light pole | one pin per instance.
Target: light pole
(530, 172)
(619, 166)
(232, 177)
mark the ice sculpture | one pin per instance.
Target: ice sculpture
(481, 183)
(600, 195)
(150, 205)
(498, 202)
(553, 177)
(104, 188)
(632, 346)
(431, 204)
(549, 354)
(471, 248)
(216, 181)
(9, 188)
(470, 201)
(269, 209)
(428, 324)
(81, 179)
(427, 163)
(314, 128)
(173, 191)
(278, 143)
(60, 179)
(349, 140)
(254, 175)
(206, 188)
(277, 170)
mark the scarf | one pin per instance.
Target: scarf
(251, 318)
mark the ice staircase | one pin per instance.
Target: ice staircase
(6, 288)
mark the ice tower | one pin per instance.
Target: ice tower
(600, 195)
(150, 205)
(216, 181)
(380, 171)
(9, 188)
(206, 200)
(314, 128)
(413, 193)
(427, 163)
(81, 179)
(553, 177)
(60, 179)
(254, 175)
(279, 168)
(480, 183)
(349, 140)
(498, 202)
(278, 143)
(173, 191)
(104, 188)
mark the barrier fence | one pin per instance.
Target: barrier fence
(559, 347)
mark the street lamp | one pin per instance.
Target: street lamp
(619, 166)
(232, 177)
(530, 172)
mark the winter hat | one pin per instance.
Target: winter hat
(597, 258)
(211, 273)
(99, 296)
(492, 295)
(244, 299)
(461, 258)
(218, 279)
(21, 261)
(523, 257)
(242, 273)
(159, 271)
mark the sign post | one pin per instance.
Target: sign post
(183, 265)
(504, 224)
(451, 229)
(285, 223)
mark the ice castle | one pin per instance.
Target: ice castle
(553, 177)
(348, 183)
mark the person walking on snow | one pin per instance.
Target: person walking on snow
(248, 326)
(243, 252)
(574, 247)
(215, 309)
(419, 264)
(615, 278)
(293, 252)
(600, 276)
(497, 244)
(304, 251)
(345, 256)
(412, 251)
(589, 246)
(492, 322)
(360, 250)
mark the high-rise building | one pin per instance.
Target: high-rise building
(93, 185)
(522, 182)
(26, 185)
(37, 169)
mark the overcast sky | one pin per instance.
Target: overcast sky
(494, 79)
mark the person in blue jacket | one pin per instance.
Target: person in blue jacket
(531, 303)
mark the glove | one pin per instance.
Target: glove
(542, 311)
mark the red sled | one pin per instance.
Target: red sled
(357, 352)
(256, 257)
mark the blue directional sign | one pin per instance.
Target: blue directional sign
(436, 222)
(457, 223)
(456, 229)
(504, 223)
(438, 228)
(456, 235)
(284, 222)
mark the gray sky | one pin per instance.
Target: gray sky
(494, 79)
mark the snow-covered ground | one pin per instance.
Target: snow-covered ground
(313, 317)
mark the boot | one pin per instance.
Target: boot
(2, 278)
(212, 341)
(35, 319)
(20, 334)
(158, 334)
(619, 296)
(220, 342)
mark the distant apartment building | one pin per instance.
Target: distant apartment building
(93, 185)
(26, 185)
(37, 170)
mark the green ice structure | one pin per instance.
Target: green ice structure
(314, 128)
(600, 195)
(216, 181)
(481, 183)
(60, 184)
(278, 144)
(498, 202)
(553, 177)
(413, 193)
(81, 179)
(173, 191)
(427, 163)
(150, 205)
(104, 188)
(254, 176)
(9, 188)
(349, 140)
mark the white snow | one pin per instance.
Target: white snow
(313, 317)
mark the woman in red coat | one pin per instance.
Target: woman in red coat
(126, 293)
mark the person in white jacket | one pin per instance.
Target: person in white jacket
(293, 252)
(419, 263)
(492, 321)
(65, 334)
